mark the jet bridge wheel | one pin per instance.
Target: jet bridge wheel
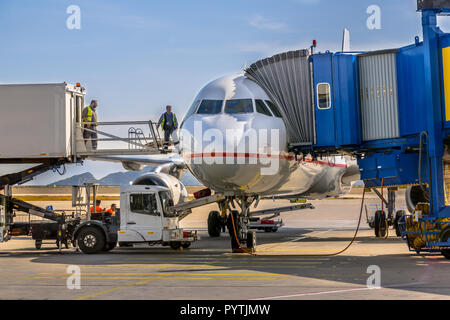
(380, 224)
(398, 216)
(214, 224)
(444, 236)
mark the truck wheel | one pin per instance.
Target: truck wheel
(91, 240)
(186, 245)
(214, 224)
(38, 244)
(175, 245)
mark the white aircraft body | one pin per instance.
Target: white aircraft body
(234, 141)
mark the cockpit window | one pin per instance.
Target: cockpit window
(274, 109)
(210, 107)
(261, 108)
(192, 109)
(239, 106)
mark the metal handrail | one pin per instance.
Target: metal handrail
(137, 140)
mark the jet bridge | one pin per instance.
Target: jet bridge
(390, 109)
(42, 123)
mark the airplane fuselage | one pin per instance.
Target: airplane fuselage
(234, 140)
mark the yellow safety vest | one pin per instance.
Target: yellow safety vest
(164, 120)
(89, 114)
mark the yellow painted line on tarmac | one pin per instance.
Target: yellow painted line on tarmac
(213, 267)
(253, 263)
(115, 289)
(164, 277)
(160, 273)
(156, 266)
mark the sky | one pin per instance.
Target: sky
(137, 56)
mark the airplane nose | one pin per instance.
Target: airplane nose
(227, 154)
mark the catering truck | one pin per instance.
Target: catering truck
(146, 217)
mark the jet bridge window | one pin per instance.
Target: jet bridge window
(274, 109)
(239, 106)
(323, 96)
(144, 204)
(210, 107)
(262, 108)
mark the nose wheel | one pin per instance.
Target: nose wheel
(214, 224)
(239, 234)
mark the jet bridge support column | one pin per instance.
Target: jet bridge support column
(434, 115)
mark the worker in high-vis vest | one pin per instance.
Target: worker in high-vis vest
(169, 124)
(90, 115)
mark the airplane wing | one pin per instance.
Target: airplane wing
(173, 164)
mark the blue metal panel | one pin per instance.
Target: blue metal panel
(411, 94)
(394, 168)
(346, 100)
(325, 125)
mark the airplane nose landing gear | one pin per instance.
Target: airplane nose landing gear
(238, 228)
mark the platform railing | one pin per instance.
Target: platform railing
(111, 141)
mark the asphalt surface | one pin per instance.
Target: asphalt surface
(208, 270)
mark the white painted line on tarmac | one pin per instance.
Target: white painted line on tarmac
(336, 291)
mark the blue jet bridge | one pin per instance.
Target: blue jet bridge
(391, 110)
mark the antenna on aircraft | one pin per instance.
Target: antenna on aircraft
(346, 40)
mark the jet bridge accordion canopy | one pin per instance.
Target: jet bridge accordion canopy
(286, 78)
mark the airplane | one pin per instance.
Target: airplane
(234, 141)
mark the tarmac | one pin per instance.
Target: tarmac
(294, 263)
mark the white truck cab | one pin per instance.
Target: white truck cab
(145, 217)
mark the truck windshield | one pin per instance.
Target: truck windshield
(144, 204)
(166, 202)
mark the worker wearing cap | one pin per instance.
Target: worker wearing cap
(168, 122)
(112, 210)
(90, 115)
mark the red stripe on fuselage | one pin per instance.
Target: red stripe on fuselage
(258, 156)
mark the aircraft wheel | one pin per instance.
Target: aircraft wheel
(214, 224)
(38, 244)
(231, 229)
(251, 240)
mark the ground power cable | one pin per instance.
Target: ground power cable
(250, 252)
